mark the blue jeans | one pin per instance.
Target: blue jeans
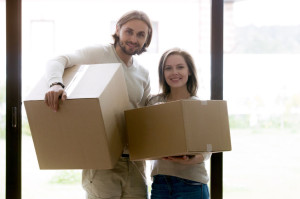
(169, 187)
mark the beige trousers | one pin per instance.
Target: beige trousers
(126, 180)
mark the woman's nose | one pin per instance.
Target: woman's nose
(174, 72)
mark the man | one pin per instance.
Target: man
(132, 36)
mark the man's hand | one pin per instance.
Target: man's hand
(53, 95)
(185, 159)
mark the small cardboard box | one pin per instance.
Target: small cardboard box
(178, 128)
(88, 130)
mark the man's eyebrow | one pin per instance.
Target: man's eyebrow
(128, 28)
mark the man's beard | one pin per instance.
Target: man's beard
(123, 47)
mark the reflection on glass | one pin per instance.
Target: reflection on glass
(261, 65)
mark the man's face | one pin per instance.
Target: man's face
(133, 36)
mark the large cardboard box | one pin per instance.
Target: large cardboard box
(178, 128)
(88, 131)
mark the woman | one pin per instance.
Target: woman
(180, 176)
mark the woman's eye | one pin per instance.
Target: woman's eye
(141, 35)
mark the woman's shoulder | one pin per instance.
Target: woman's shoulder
(194, 98)
(154, 99)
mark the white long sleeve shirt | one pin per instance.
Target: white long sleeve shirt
(136, 76)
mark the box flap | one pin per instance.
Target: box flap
(41, 86)
(113, 103)
(83, 83)
(80, 81)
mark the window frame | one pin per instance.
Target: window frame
(13, 98)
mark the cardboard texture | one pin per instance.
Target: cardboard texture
(181, 127)
(88, 131)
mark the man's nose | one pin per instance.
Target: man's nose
(133, 38)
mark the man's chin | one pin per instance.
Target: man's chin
(131, 52)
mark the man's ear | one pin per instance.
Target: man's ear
(118, 30)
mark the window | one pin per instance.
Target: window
(261, 63)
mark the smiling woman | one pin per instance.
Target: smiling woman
(176, 71)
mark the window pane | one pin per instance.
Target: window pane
(261, 67)
(2, 96)
(54, 27)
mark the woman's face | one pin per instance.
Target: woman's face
(176, 71)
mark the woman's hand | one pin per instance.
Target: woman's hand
(186, 159)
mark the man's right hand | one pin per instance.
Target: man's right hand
(53, 95)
